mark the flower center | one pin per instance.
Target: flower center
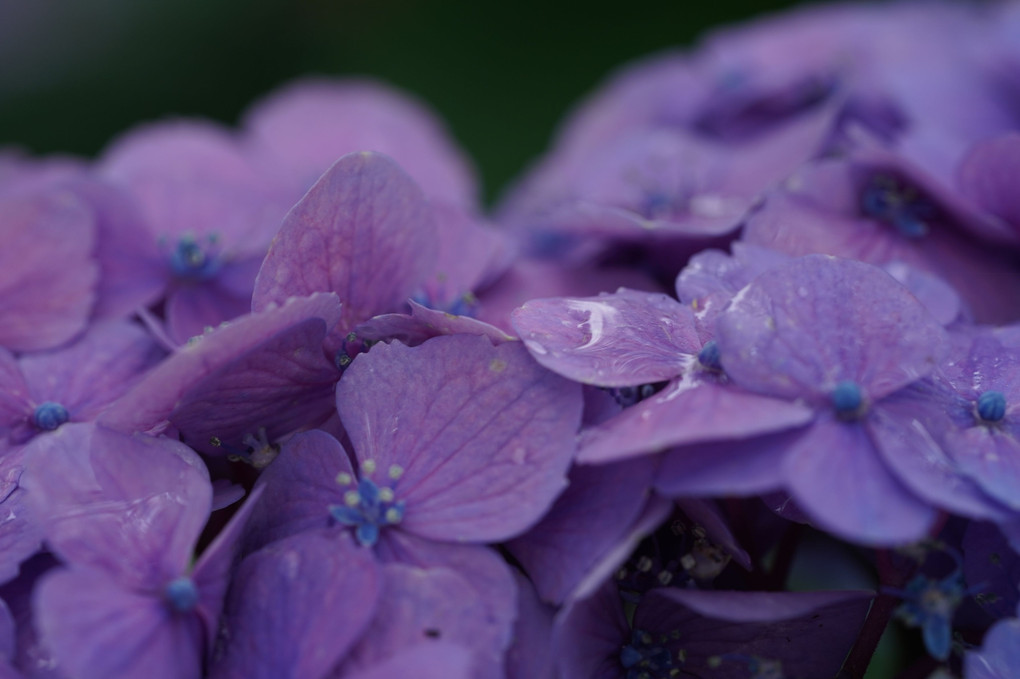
(890, 201)
(50, 415)
(645, 657)
(708, 357)
(847, 400)
(991, 406)
(181, 594)
(194, 261)
(368, 508)
(930, 604)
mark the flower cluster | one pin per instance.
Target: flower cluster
(726, 386)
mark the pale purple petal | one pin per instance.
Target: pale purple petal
(986, 175)
(98, 629)
(483, 435)
(999, 655)
(837, 477)
(21, 535)
(427, 660)
(230, 382)
(193, 308)
(623, 339)
(423, 324)
(531, 656)
(688, 411)
(600, 504)
(800, 329)
(364, 231)
(297, 607)
(132, 506)
(48, 280)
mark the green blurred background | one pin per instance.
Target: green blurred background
(74, 73)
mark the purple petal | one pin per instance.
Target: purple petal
(299, 487)
(302, 128)
(423, 324)
(999, 655)
(194, 308)
(21, 535)
(297, 607)
(428, 660)
(798, 330)
(364, 231)
(132, 506)
(483, 435)
(47, 287)
(591, 516)
(692, 410)
(230, 382)
(589, 634)
(531, 656)
(98, 629)
(837, 477)
(624, 339)
(985, 176)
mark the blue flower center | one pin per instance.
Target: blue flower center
(900, 206)
(368, 508)
(645, 657)
(50, 415)
(463, 305)
(708, 357)
(847, 400)
(194, 261)
(991, 406)
(181, 594)
(930, 604)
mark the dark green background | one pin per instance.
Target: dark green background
(502, 73)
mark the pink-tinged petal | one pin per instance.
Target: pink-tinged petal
(232, 381)
(618, 340)
(97, 369)
(590, 517)
(897, 427)
(483, 434)
(427, 660)
(213, 570)
(132, 506)
(810, 633)
(531, 655)
(364, 231)
(419, 605)
(302, 128)
(837, 477)
(486, 579)
(691, 410)
(190, 178)
(531, 279)
(297, 607)
(987, 176)
(48, 279)
(99, 629)
(299, 486)
(423, 324)
(800, 329)
(472, 254)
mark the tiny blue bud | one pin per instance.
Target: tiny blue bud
(991, 406)
(847, 398)
(709, 355)
(181, 594)
(48, 416)
(190, 261)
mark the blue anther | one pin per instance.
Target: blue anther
(50, 415)
(888, 201)
(991, 406)
(931, 604)
(367, 512)
(847, 399)
(645, 656)
(190, 261)
(709, 356)
(181, 594)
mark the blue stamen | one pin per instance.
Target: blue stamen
(888, 201)
(50, 415)
(847, 399)
(190, 261)
(181, 594)
(708, 357)
(991, 406)
(367, 510)
(930, 604)
(647, 658)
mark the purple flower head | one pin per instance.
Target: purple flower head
(124, 514)
(209, 212)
